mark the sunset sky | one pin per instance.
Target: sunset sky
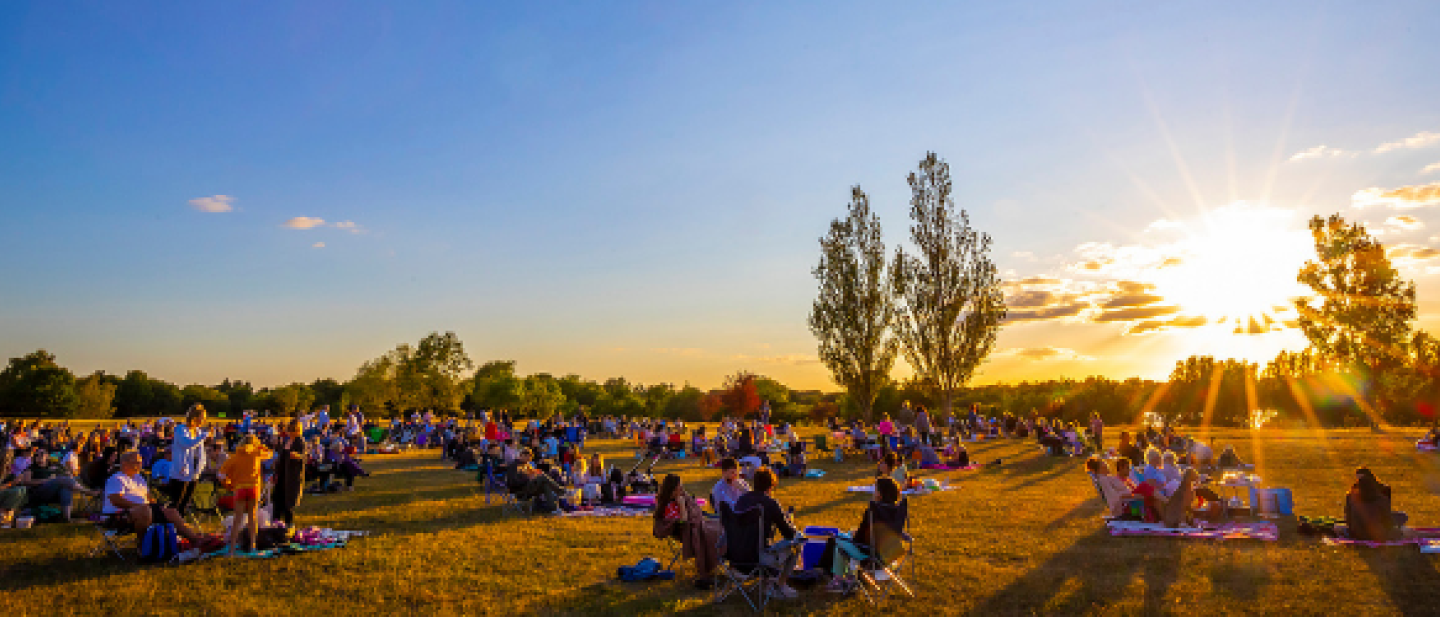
(279, 191)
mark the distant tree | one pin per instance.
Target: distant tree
(328, 392)
(95, 396)
(853, 315)
(34, 385)
(214, 401)
(495, 386)
(950, 300)
(685, 404)
(541, 396)
(740, 397)
(711, 406)
(292, 400)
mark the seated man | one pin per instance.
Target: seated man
(48, 483)
(779, 555)
(127, 497)
(730, 487)
(527, 482)
(1368, 510)
(887, 492)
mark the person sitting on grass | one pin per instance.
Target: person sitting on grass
(1129, 450)
(731, 486)
(891, 467)
(47, 483)
(887, 492)
(1367, 510)
(527, 482)
(1151, 471)
(127, 498)
(12, 492)
(1229, 459)
(779, 555)
(242, 472)
(1113, 488)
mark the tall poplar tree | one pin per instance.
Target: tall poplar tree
(949, 296)
(854, 312)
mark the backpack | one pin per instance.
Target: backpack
(159, 545)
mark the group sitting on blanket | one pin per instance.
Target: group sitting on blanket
(1155, 492)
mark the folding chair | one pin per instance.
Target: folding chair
(205, 503)
(740, 562)
(110, 531)
(890, 550)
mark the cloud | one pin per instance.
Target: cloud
(1405, 222)
(304, 222)
(1069, 309)
(1029, 298)
(1130, 299)
(318, 245)
(213, 203)
(1160, 325)
(794, 359)
(1259, 326)
(1131, 314)
(1129, 261)
(1318, 152)
(1422, 139)
(1040, 354)
(1405, 197)
(349, 226)
(1411, 252)
(1431, 168)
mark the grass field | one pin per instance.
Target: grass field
(1021, 538)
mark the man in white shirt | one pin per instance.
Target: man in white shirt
(127, 494)
(731, 486)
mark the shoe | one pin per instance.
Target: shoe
(838, 584)
(784, 591)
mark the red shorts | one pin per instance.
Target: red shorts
(248, 493)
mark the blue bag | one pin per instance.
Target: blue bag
(160, 544)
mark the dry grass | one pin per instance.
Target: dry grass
(1022, 538)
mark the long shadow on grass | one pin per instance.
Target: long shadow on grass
(1102, 566)
(61, 569)
(1408, 576)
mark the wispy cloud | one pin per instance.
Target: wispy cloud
(304, 222)
(349, 226)
(1422, 139)
(1160, 325)
(1041, 354)
(318, 245)
(1416, 196)
(1164, 225)
(1431, 168)
(1318, 152)
(213, 203)
(1404, 222)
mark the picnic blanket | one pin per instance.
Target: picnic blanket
(1425, 446)
(815, 473)
(1423, 536)
(1255, 530)
(908, 492)
(938, 467)
(1430, 545)
(605, 512)
(648, 501)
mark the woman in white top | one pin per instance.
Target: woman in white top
(187, 457)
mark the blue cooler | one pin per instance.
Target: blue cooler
(815, 540)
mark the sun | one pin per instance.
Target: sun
(1236, 266)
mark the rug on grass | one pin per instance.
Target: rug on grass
(606, 512)
(1423, 536)
(909, 491)
(1255, 530)
(937, 467)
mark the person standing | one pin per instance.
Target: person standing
(187, 457)
(922, 424)
(1097, 427)
(289, 475)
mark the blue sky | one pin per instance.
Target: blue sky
(637, 189)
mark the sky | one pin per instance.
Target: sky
(278, 192)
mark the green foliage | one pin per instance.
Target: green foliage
(428, 375)
(215, 401)
(95, 396)
(948, 291)
(291, 400)
(139, 395)
(1365, 308)
(541, 396)
(854, 312)
(35, 386)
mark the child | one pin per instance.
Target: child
(242, 472)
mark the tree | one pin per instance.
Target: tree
(854, 313)
(541, 395)
(36, 386)
(740, 397)
(1363, 318)
(94, 397)
(292, 400)
(214, 401)
(495, 386)
(950, 303)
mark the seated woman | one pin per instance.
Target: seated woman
(47, 484)
(678, 515)
(1115, 490)
(1228, 459)
(1367, 510)
(1168, 469)
(887, 492)
(891, 467)
(12, 492)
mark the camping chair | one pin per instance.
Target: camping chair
(890, 550)
(743, 544)
(110, 531)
